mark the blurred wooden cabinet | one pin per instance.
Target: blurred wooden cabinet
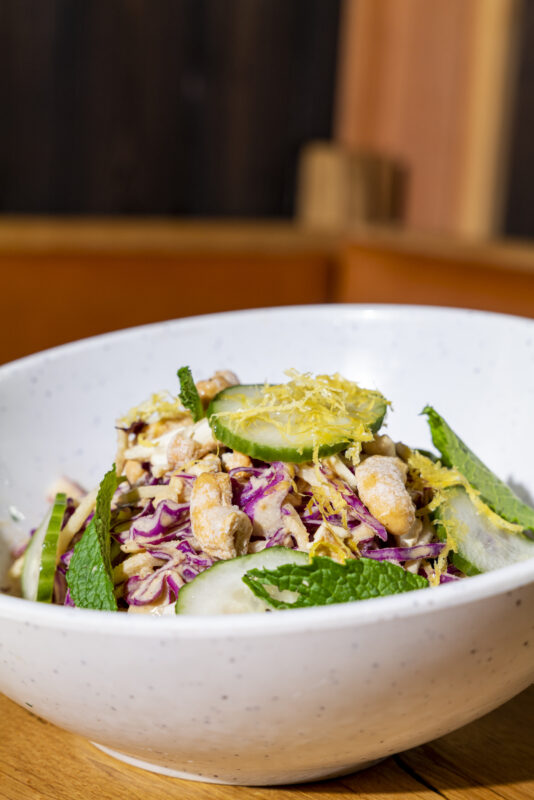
(387, 266)
(62, 280)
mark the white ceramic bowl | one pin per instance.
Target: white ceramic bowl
(296, 695)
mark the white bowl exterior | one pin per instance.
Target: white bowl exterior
(273, 702)
(278, 706)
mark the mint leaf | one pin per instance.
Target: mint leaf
(189, 394)
(324, 581)
(89, 573)
(494, 492)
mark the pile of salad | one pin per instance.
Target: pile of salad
(232, 498)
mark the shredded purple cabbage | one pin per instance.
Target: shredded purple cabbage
(264, 493)
(262, 501)
(160, 526)
(362, 514)
(406, 553)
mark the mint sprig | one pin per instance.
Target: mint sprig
(89, 574)
(324, 581)
(494, 492)
(189, 395)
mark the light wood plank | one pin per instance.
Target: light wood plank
(385, 780)
(39, 760)
(428, 84)
(495, 754)
(489, 759)
(483, 166)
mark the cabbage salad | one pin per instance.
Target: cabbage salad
(233, 498)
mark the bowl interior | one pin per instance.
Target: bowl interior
(57, 408)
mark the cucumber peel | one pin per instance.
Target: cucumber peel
(220, 589)
(39, 566)
(494, 492)
(304, 419)
(479, 542)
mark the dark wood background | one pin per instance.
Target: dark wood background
(519, 220)
(185, 107)
(191, 107)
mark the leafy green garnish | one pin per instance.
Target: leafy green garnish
(189, 394)
(324, 581)
(89, 573)
(494, 492)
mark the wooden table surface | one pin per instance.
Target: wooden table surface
(491, 758)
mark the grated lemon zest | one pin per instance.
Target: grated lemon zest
(441, 564)
(148, 436)
(353, 453)
(439, 477)
(329, 500)
(160, 406)
(337, 550)
(325, 409)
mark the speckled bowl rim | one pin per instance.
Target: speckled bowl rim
(365, 612)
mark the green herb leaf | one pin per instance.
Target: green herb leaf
(89, 573)
(494, 492)
(189, 394)
(324, 581)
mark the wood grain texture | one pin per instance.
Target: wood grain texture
(489, 759)
(427, 84)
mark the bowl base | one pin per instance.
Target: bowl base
(190, 776)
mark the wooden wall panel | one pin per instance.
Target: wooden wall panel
(428, 84)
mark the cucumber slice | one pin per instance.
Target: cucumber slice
(494, 492)
(288, 435)
(39, 567)
(220, 589)
(482, 545)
